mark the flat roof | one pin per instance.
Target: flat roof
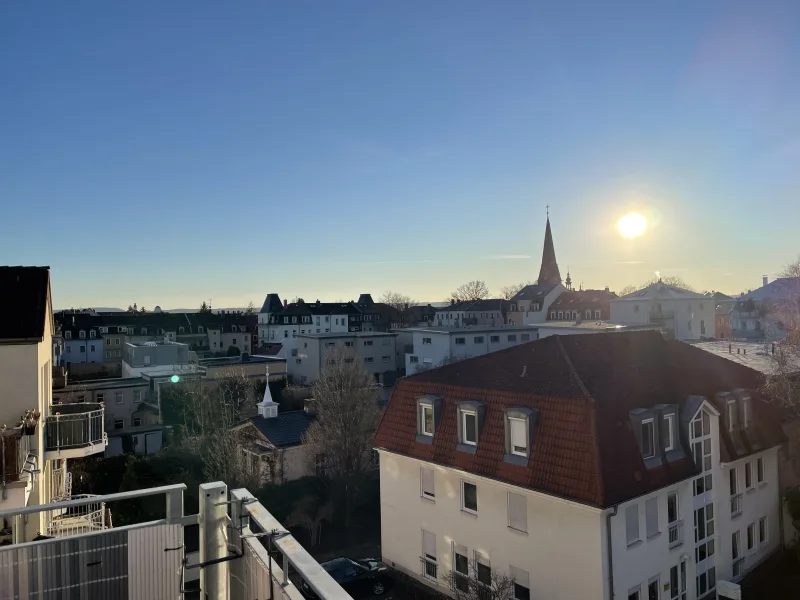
(756, 355)
(603, 325)
(98, 384)
(472, 329)
(347, 334)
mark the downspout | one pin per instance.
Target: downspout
(610, 554)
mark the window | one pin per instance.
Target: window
(632, 524)
(116, 341)
(733, 420)
(525, 337)
(494, 339)
(100, 397)
(689, 326)
(518, 512)
(648, 439)
(116, 353)
(294, 319)
(67, 335)
(762, 530)
(483, 574)
(651, 517)
(460, 341)
(146, 361)
(137, 421)
(634, 593)
(751, 536)
(518, 431)
(200, 329)
(82, 334)
(429, 554)
(426, 419)
(552, 314)
(512, 337)
(735, 550)
(635, 308)
(469, 497)
(677, 582)
(235, 343)
(748, 475)
(83, 349)
(702, 326)
(560, 314)
(427, 488)
(667, 433)
(348, 344)
(745, 412)
(92, 334)
(137, 395)
(118, 398)
(673, 525)
(521, 584)
(652, 590)
(386, 359)
(597, 314)
(108, 353)
(119, 423)
(478, 339)
(760, 470)
(298, 361)
(368, 343)
(91, 348)
(469, 424)
(413, 359)
(369, 360)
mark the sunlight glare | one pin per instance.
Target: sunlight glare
(632, 225)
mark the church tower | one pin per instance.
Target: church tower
(549, 274)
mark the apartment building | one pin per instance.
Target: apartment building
(436, 346)
(682, 314)
(81, 346)
(37, 438)
(581, 305)
(485, 313)
(376, 350)
(759, 315)
(543, 463)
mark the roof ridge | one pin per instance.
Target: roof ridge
(601, 490)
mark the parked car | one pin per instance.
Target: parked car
(362, 578)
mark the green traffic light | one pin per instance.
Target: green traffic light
(175, 379)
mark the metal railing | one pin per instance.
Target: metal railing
(429, 567)
(74, 429)
(83, 518)
(61, 485)
(736, 505)
(675, 531)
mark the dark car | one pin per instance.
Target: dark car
(359, 578)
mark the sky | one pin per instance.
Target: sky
(173, 152)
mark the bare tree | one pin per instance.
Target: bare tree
(309, 512)
(205, 308)
(482, 583)
(672, 280)
(509, 291)
(473, 290)
(399, 302)
(346, 404)
(791, 269)
(250, 309)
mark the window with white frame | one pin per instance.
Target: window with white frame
(518, 512)
(651, 517)
(426, 419)
(677, 582)
(745, 400)
(760, 470)
(667, 433)
(118, 398)
(522, 584)
(426, 341)
(632, 524)
(748, 475)
(751, 536)
(483, 574)
(648, 438)
(100, 397)
(553, 314)
(67, 335)
(469, 427)
(762, 530)
(429, 555)
(92, 334)
(673, 524)
(733, 420)
(137, 395)
(469, 497)
(200, 329)
(82, 334)
(460, 568)
(597, 314)
(413, 359)
(635, 593)
(427, 483)
(460, 341)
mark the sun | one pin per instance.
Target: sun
(632, 225)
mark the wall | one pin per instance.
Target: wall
(311, 353)
(562, 553)
(112, 346)
(92, 351)
(296, 463)
(159, 355)
(443, 345)
(684, 311)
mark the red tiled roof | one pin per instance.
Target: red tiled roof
(584, 387)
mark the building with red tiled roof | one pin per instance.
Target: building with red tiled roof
(581, 305)
(565, 459)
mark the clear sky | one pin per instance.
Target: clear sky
(169, 152)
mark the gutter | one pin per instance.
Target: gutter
(610, 553)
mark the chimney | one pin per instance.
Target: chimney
(764, 280)
(284, 303)
(607, 289)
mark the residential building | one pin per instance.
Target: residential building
(681, 314)
(375, 350)
(436, 346)
(486, 313)
(81, 346)
(34, 451)
(760, 314)
(163, 558)
(419, 316)
(544, 463)
(588, 305)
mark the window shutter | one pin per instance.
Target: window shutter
(429, 544)
(428, 482)
(519, 576)
(651, 516)
(518, 433)
(632, 523)
(517, 512)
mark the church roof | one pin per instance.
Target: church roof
(549, 273)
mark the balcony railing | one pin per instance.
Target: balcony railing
(72, 520)
(736, 505)
(74, 426)
(675, 534)
(429, 567)
(61, 485)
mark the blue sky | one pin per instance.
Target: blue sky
(170, 152)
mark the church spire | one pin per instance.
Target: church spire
(549, 273)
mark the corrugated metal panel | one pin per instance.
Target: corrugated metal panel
(249, 575)
(154, 557)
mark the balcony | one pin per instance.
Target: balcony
(675, 534)
(76, 519)
(74, 431)
(736, 505)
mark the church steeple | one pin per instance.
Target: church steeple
(549, 273)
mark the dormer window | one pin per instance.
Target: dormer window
(180, 329)
(745, 400)
(733, 417)
(92, 334)
(428, 409)
(200, 329)
(518, 434)
(648, 438)
(668, 433)
(67, 335)
(120, 330)
(470, 422)
(144, 330)
(469, 425)
(82, 334)
(519, 427)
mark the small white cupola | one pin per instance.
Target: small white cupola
(267, 408)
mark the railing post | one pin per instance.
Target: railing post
(213, 541)
(174, 506)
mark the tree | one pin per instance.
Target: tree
(309, 512)
(791, 269)
(482, 582)
(347, 412)
(250, 309)
(509, 291)
(233, 351)
(399, 302)
(205, 308)
(474, 290)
